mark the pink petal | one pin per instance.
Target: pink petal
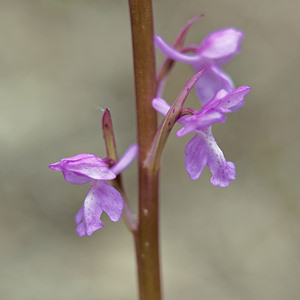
(101, 197)
(173, 53)
(203, 150)
(200, 121)
(75, 178)
(221, 45)
(195, 157)
(227, 102)
(82, 168)
(125, 160)
(161, 106)
(212, 81)
(234, 99)
(79, 216)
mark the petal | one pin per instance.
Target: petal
(203, 150)
(195, 156)
(212, 81)
(75, 178)
(69, 176)
(125, 160)
(235, 99)
(227, 102)
(200, 121)
(223, 172)
(101, 197)
(174, 54)
(89, 165)
(79, 216)
(161, 106)
(221, 45)
(81, 168)
(56, 166)
(215, 101)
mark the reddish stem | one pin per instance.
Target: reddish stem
(147, 234)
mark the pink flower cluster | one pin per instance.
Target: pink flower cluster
(218, 96)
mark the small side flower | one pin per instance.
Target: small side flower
(101, 197)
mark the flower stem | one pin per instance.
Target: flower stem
(111, 152)
(147, 234)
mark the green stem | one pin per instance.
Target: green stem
(147, 234)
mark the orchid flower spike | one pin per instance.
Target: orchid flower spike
(215, 50)
(101, 197)
(202, 150)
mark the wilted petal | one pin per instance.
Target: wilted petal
(203, 150)
(221, 45)
(101, 197)
(212, 81)
(125, 160)
(81, 168)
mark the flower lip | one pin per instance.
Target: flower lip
(201, 151)
(101, 197)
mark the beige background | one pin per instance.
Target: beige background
(60, 62)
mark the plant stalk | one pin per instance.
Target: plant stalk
(147, 234)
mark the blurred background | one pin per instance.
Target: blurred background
(60, 63)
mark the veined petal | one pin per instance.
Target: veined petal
(203, 150)
(227, 102)
(125, 160)
(101, 197)
(221, 45)
(212, 81)
(200, 121)
(235, 99)
(174, 54)
(82, 168)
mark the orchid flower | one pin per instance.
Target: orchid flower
(101, 197)
(202, 149)
(214, 51)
